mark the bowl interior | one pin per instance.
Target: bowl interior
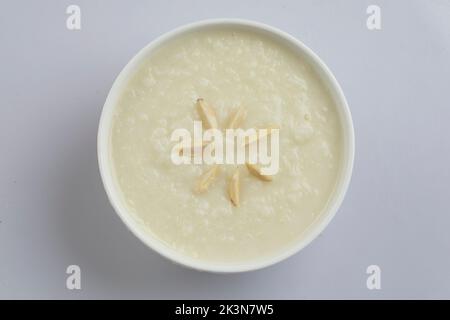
(113, 191)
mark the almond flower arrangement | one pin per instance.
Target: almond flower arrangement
(209, 121)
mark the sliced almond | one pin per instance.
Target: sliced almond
(207, 114)
(255, 170)
(260, 134)
(206, 179)
(237, 118)
(233, 188)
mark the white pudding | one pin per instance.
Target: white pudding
(230, 68)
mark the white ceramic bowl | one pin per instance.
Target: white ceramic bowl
(113, 191)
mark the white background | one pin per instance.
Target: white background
(53, 209)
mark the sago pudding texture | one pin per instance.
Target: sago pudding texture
(228, 68)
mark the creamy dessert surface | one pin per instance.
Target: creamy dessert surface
(229, 69)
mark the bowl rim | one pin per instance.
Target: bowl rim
(113, 192)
